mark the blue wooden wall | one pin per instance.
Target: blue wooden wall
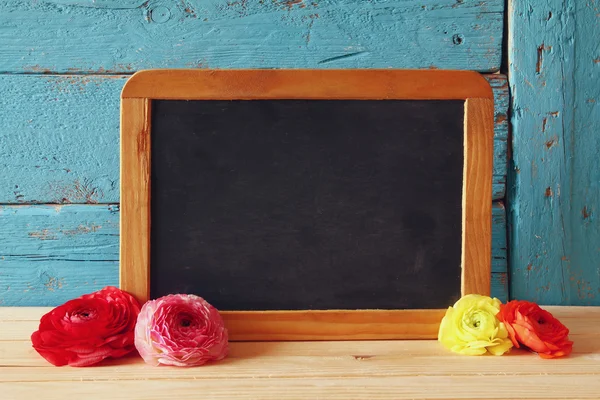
(554, 195)
(64, 62)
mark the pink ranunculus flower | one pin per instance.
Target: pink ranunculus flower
(181, 330)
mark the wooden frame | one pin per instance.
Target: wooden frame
(145, 86)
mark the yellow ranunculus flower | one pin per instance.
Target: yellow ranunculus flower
(472, 328)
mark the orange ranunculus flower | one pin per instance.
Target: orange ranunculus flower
(537, 329)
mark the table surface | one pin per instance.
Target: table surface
(418, 369)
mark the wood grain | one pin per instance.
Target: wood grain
(499, 282)
(135, 197)
(99, 37)
(477, 193)
(499, 86)
(50, 254)
(563, 387)
(193, 84)
(400, 369)
(60, 139)
(145, 86)
(246, 360)
(332, 324)
(555, 193)
(421, 360)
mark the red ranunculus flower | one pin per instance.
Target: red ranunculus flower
(86, 330)
(535, 328)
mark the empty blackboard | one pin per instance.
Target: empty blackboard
(287, 207)
(307, 204)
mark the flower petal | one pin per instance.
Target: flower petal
(180, 330)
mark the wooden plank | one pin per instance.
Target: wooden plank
(60, 138)
(499, 85)
(477, 195)
(50, 254)
(323, 325)
(371, 386)
(22, 313)
(500, 286)
(500, 279)
(135, 220)
(499, 236)
(109, 37)
(313, 84)
(555, 196)
(423, 358)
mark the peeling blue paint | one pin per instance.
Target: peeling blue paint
(554, 194)
(110, 36)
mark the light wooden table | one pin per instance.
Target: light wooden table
(311, 370)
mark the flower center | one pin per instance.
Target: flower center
(186, 322)
(82, 315)
(479, 321)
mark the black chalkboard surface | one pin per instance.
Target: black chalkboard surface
(300, 204)
(308, 204)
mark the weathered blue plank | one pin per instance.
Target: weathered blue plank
(113, 4)
(499, 252)
(60, 138)
(554, 194)
(499, 85)
(499, 238)
(110, 36)
(500, 286)
(50, 254)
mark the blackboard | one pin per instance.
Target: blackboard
(308, 204)
(300, 204)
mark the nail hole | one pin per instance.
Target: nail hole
(362, 357)
(160, 14)
(458, 39)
